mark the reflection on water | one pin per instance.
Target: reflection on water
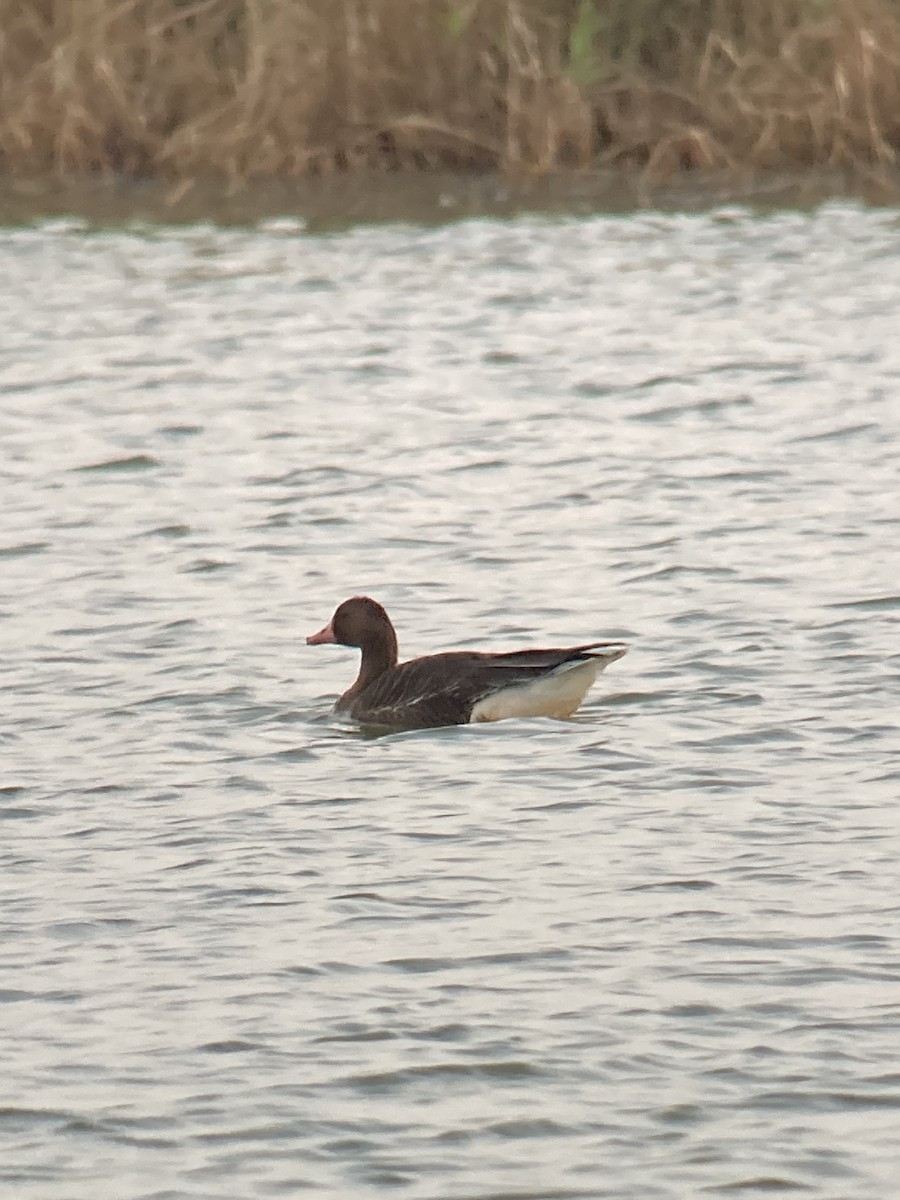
(648, 952)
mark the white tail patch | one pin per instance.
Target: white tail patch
(556, 694)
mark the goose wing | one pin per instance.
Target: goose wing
(442, 689)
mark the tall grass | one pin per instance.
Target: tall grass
(271, 88)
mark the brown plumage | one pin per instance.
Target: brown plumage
(458, 686)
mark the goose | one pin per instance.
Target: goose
(458, 686)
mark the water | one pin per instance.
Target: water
(650, 952)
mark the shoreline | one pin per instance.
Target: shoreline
(339, 202)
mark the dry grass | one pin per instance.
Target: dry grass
(245, 89)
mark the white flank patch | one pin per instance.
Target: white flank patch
(557, 694)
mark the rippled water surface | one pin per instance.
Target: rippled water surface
(649, 952)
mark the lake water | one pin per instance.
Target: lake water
(647, 953)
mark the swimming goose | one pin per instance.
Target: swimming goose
(460, 685)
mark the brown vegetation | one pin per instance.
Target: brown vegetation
(243, 89)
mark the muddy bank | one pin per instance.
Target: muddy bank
(319, 205)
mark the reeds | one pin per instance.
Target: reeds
(245, 89)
